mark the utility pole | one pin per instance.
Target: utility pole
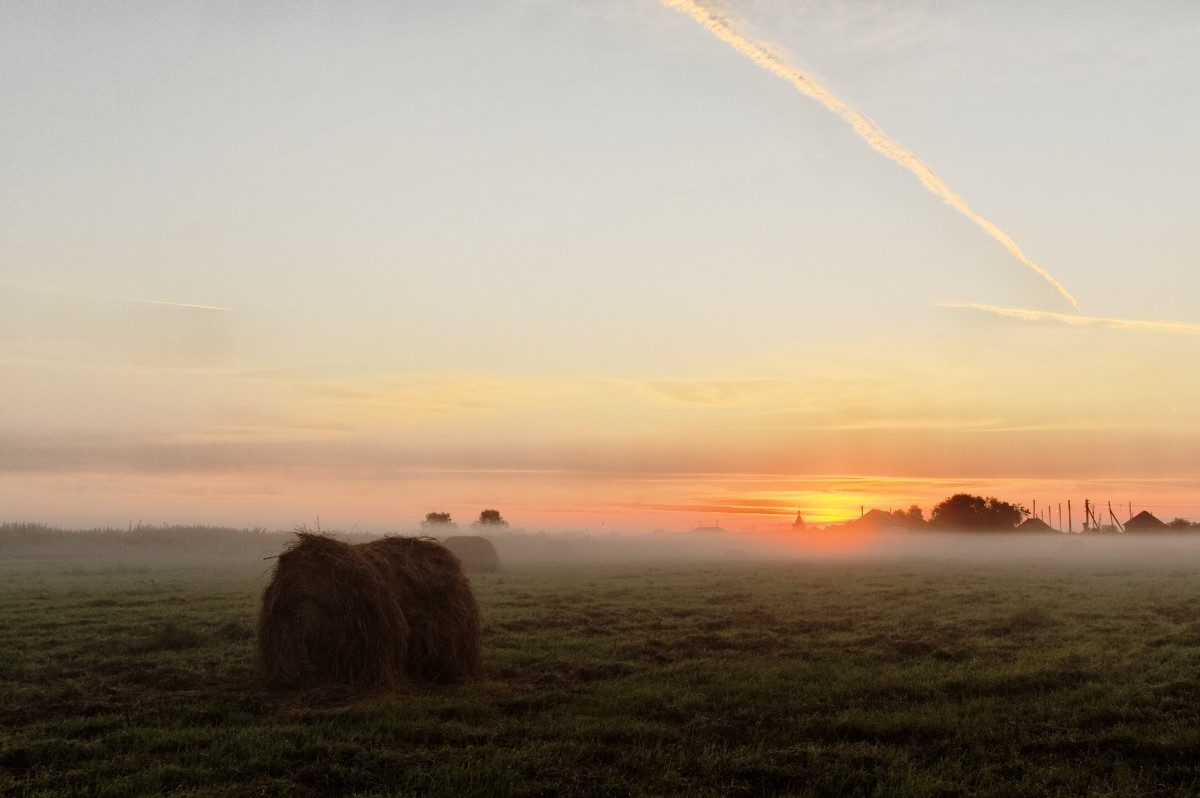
(1069, 527)
(1113, 516)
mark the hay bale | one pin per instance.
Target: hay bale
(445, 630)
(474, 552)
(372, 614)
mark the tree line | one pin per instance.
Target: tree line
(967, 512)
(443, 521)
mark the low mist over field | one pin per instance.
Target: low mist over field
(166, 545)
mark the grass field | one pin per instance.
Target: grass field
(832, 677)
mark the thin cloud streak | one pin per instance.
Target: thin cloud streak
(806, 84)
(1179, 327)
(176, 304)
(713, 392)
(898, 424)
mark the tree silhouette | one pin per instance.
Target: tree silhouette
(964, 511)
(437, 519)
(491, 518)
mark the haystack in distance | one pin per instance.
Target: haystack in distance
(372, 615)
(476, 553)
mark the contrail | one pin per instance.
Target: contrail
(864, 127)
(176, 304)
(52, 290)
(1179, 327)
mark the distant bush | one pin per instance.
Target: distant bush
(490, 518)
(967, 512)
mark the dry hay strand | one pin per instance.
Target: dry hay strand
(474, 552)
(370, 615)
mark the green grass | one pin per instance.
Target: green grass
(826, 678)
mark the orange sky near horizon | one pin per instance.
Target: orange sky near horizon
(576, 503)
(857, 427)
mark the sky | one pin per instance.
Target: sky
(586, 263)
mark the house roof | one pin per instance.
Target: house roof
(1035, 525)
(709, 530)
(1144, 520)
(877, 519)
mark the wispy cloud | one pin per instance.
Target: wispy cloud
(394, 401)
(907, 424)
(1072, 320)
(712, 392)
(55, 325)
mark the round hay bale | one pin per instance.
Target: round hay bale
(445, 630)
(368, 615)
(474, 552)
(329, 617)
